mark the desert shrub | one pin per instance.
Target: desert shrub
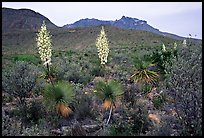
(146, 88)
(84, 107)
(19, 83)
(51, 74)
(35, 111)
(120, 128)
(159, 100)
(185, 86)
(130, 93)
(76, 72)
(20, 80)
(10, 127)
(35, 130)
(167, 128)
(39, 86)
(132, 122)
(164, 58)
(97, 71)
(6, 98)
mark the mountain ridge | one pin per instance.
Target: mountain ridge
(23, 19)
(125, 23)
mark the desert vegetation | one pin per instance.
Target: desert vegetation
(114, 87)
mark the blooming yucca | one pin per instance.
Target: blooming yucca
(163, 48)
(184, 43)
(175, 46)
(44, 44)
(102, 46)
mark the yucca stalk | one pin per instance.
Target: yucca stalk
(44, 46)
(102, 46)
(62, 92)
(109, 91)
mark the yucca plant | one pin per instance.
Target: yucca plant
(44, 45)
(142, 73)
(61, 96)
(109, 91)
(102, 46)
(164, 57)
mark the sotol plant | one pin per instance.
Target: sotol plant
(142, 73)
(61, 95)
(109, 92)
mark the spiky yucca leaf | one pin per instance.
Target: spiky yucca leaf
(144, 76)
(109, 90)
(61, 92)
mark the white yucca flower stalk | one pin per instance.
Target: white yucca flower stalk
(184, 43)
(175, 46)
(102, 46)
(163, 48)
(44, 44)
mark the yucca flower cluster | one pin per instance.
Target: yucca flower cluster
(163, 48)
(44, 44)
(102, 46)
(175, 46)
(184, 43)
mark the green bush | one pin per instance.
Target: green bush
(132, 122)
(83, 107)
(158, 101)
(10, 127)
(97, 71)
(163, 59)
(185, 86)
(19, 83)
(35, 111)
(35, 130)
(146, 88)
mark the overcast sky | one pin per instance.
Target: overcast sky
(181, 18)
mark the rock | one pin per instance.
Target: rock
(74, 130)
(56, 132)
(91, 128)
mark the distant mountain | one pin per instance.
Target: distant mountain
(124, 22)
(23, 19)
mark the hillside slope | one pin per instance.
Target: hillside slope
(80, 38)
(23, 19)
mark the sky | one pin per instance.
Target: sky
(180, 18)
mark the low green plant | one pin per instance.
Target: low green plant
(61, 95)
(142, 74)
(164, 58)
(26, 57)
(108, 91)
(158, 101)
(146, 88)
